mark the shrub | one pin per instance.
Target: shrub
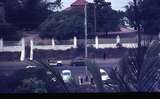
(8, 32)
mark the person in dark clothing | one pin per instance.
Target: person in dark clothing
(104, 56)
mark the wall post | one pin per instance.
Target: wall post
(31, 49)
(22, 50)
(75, 42)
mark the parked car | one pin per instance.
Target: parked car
(104, 75)
(66, 75)
(55, 63)
(78, 62)
(30, 66)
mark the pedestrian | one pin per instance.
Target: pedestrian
(104, 55)
(92, 82)
(81, 80)
(86, 78)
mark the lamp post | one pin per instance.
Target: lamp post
(85, 27)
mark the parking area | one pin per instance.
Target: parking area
(77, 72)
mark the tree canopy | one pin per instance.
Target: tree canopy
(148, 14)
(107, 18)
(18, 15)
(71, 23)
(28, 14)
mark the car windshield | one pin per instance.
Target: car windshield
(52, 61)
(103, 74)
(79, 63)
(67, 73)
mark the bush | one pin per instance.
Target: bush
(8, 32)
(33, 80)
(79, 52)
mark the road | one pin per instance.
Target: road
(7, 68)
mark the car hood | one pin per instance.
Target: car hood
(66, 78)
(105, 77)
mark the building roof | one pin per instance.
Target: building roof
(68, 9)
(79, 3)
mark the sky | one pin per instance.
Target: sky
(116, 4)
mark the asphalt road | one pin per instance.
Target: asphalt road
(7, 68)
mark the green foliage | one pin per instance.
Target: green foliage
(2, 13)
(8, 32)
(93, 68)
(107, 18)
(27, 14)
(55, 73)
(73, 85)
(130, 14)
(148, 15)
(128, 77)
(71, 23)
(35, 80)
(32, 85)
(62, 25)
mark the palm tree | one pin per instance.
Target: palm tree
(71, 87)
(54, 72)
(94, 69)
(127, 77)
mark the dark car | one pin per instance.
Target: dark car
(78, 62)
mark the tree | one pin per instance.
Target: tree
(129, 14)
(35, 80)
(148, 15)
(127, 77)
(32, 85)
(2, 13)
(71, 23)
(107, 18)
(68, 24)
(28, 14)
(8, 32)
(94, 69)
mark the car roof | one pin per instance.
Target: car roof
(79, 58)
(64, 71)
(102, 70)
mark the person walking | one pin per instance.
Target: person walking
(104, 55)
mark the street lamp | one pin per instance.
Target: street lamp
(85, 27)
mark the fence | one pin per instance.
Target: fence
(112, 43)
(13, 46)
(97, 43)
(51, 46)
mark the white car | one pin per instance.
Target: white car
(66, 75)
(55, 63)
(59, 63)
(29, 66)
(104, 75)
